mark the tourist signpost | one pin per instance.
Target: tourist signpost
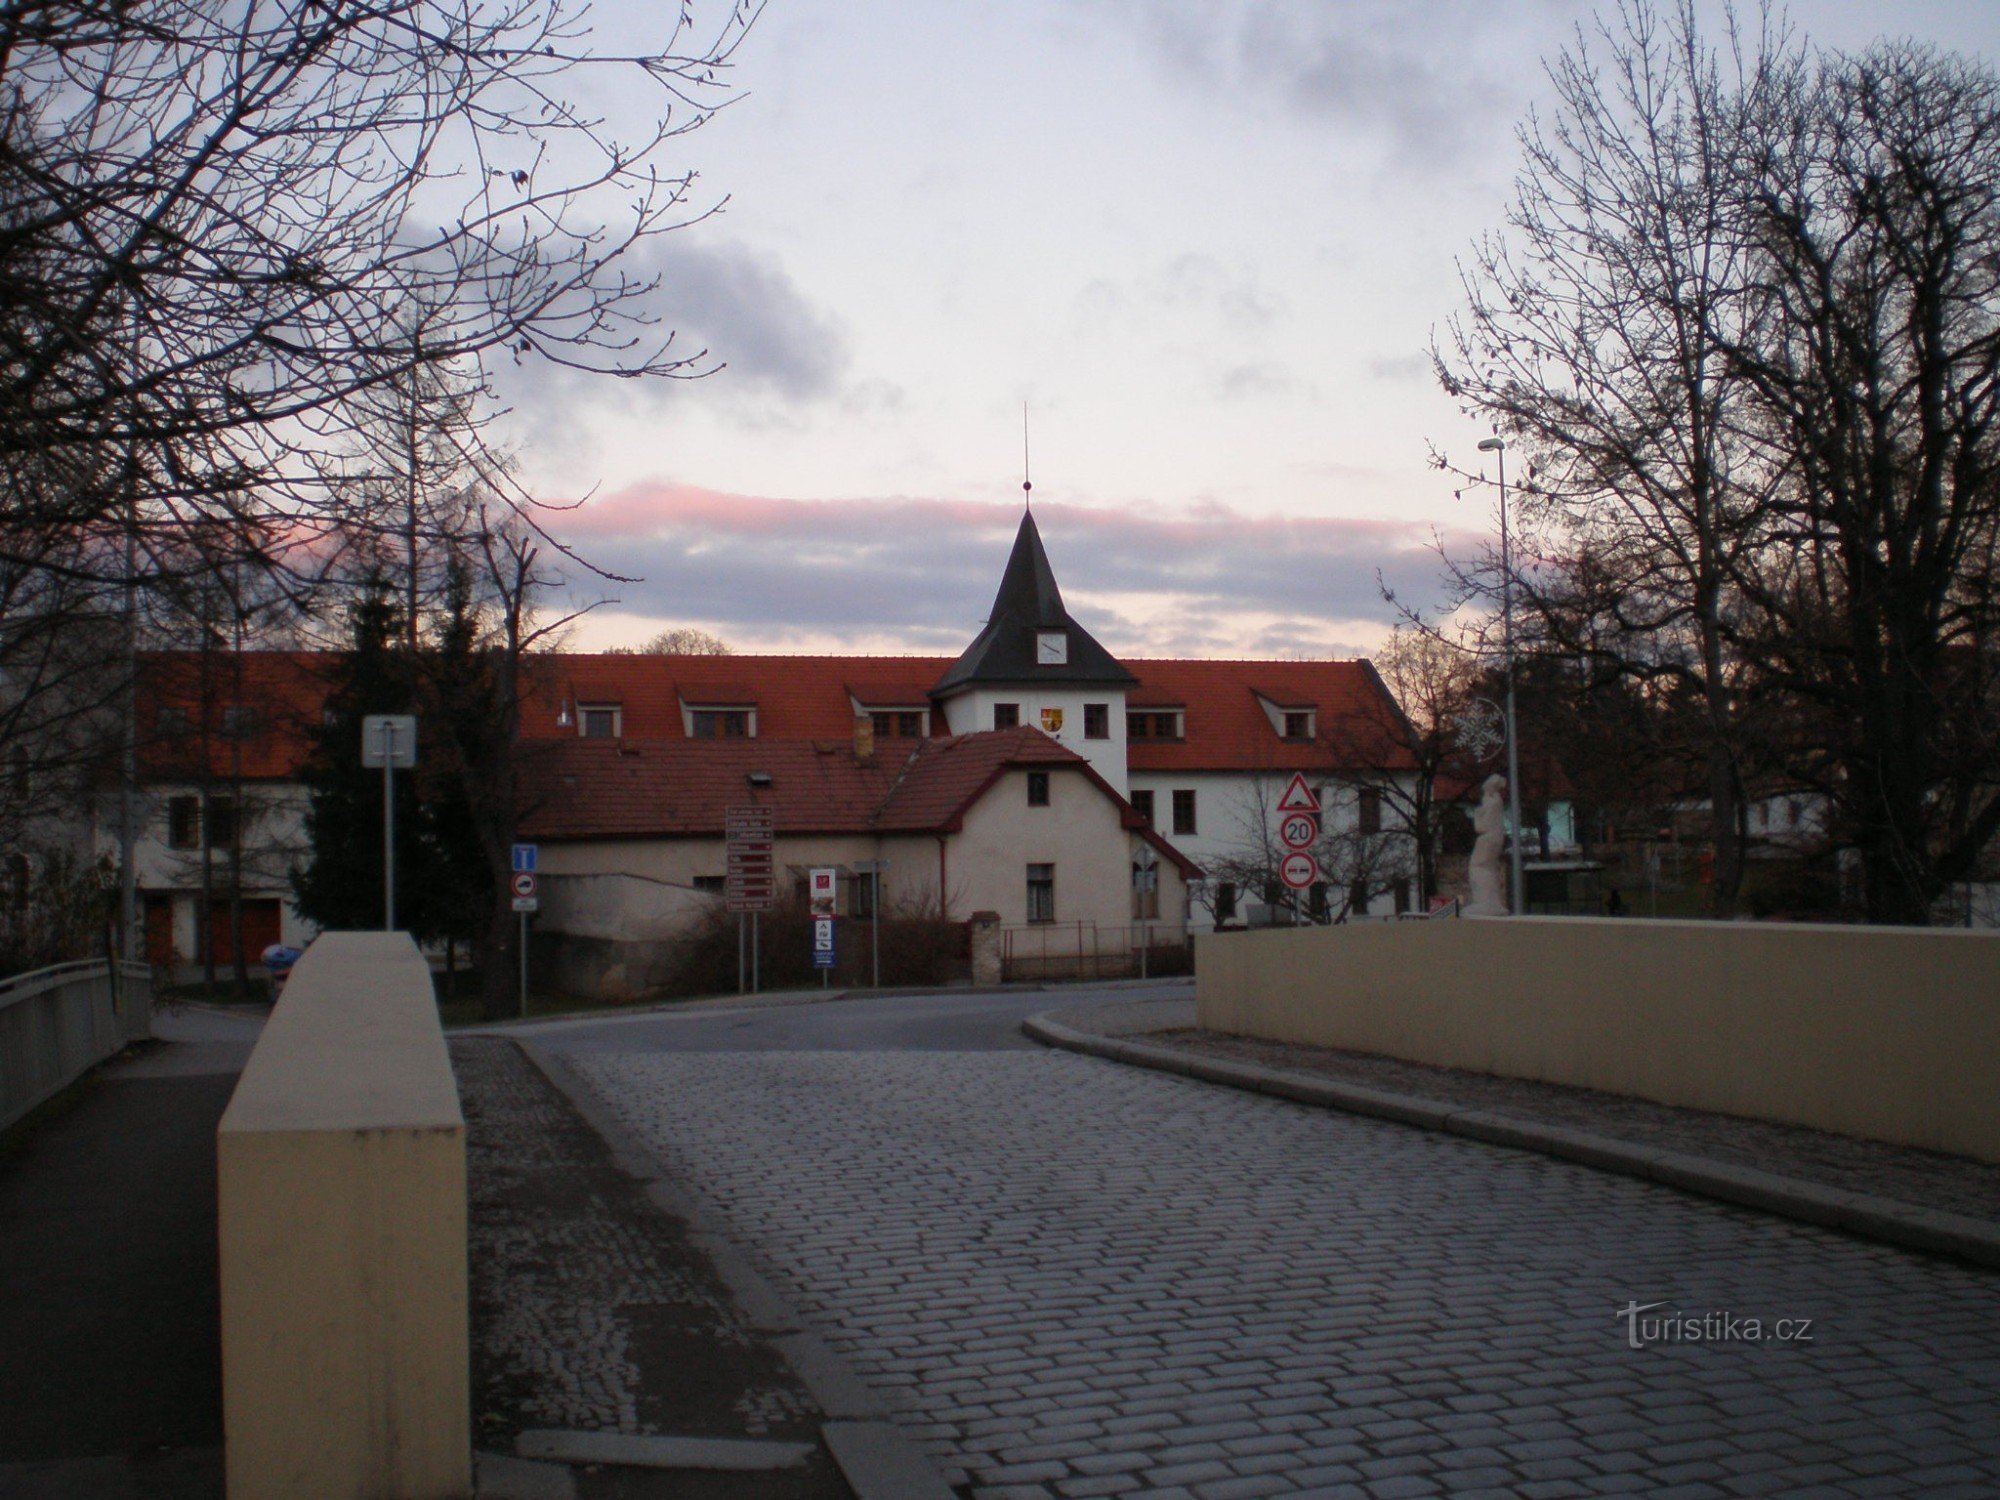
(822, 893)
(750, 884)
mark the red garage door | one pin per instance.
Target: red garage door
(262, 924)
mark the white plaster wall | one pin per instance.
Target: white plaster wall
(910, 882)
(972, 713)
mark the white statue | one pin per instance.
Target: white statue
(1490, 823)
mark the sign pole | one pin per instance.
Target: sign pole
(756, 945)
(739, 954)
(388, 826)
(524, 966)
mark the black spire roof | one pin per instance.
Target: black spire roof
(1029, 602)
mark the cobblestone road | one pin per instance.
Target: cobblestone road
(1081, 1280)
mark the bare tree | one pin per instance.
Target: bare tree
(228, 226)
(686, 640)
(1594, 338)
(1872, 194)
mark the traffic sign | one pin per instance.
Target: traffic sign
(1298, 830)
(524, 858)
(527, 903)
(823, 949)
(1298, 870)
(1298, 796)
(822, 885)
(524, 884)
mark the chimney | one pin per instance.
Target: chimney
(864, 737)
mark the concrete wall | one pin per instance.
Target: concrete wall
(342, 1199)
(1890, 1033)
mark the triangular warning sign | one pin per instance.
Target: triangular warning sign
(1298, 796)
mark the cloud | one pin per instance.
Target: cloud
(917, 573)
(734, 312)
(1405, 71)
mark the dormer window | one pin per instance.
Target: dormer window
(239, 720)
(720, 723)
(599, 721)
(1156, 724)
(901, 723)
(1298, 723)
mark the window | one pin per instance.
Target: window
(861, 895)
(1006, 715)
(1153, 724)
(221, 822)
(598, 722)
(1038, 789)
(898, 724)
(1041, 893)
(183, 822)
(1184, 810)
(712, 885)
(170, 723)
(1142, 804)
(1225, 902)
(1316, 902)
(1298, 724)
(1357, 899)
(722, 723)
(1368, 810)
(1097, 721)
(239, 721)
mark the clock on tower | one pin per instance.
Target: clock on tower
(1051, 648)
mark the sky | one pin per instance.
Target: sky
(1205, 244)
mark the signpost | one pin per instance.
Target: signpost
(1145, 881)
(388, 741)
(824, 954)
(1298, 814)
(526, 902)
(750, 884)
(873, 869)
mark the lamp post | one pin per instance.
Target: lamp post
(1498, 448)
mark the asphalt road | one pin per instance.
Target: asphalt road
(1077, 1278)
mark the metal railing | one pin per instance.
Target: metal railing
(58, 1023)
(1084, 950)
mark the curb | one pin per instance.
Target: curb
(876, 1459)
(1866, 1214)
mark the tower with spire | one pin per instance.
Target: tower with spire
(1034, 665)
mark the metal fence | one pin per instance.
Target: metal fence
(58, 1023)
(1084, 950)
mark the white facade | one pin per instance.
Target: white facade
(1061, 712)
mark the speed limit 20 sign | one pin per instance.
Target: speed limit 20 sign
(1298, 830)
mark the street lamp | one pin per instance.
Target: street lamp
(1498, 448)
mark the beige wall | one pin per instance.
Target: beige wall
(910, 881)
(1891, 1033)
(342, 1216)
(1080, 832)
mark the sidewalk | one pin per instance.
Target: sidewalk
(111, 1385)
(622, 1347)
(1917, 1199)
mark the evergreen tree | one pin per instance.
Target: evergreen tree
(341, 885)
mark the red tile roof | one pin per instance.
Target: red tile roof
(680, 788)
(806, 698)
(182, 692)
(797, 697)
(1228, 730)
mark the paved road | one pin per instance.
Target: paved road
(1081, 1279)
